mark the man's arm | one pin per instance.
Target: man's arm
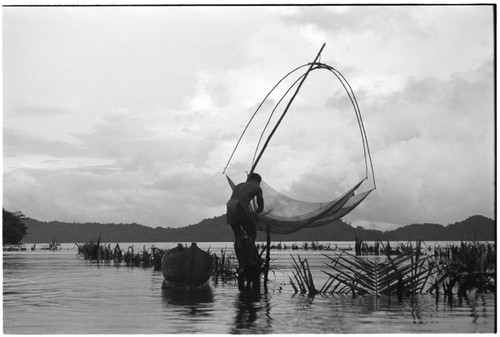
(260, 201)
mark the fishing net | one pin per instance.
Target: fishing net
(284, 215)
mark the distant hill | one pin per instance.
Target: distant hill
(476, 227)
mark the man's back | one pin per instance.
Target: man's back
(245, 192)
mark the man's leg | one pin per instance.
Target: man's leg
(239, 244)
(238, 233)
(249, 228)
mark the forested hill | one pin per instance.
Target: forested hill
(476, 227)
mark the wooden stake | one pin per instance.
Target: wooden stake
(268, 257)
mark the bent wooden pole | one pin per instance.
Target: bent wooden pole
(286, 109)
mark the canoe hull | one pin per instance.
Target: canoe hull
(187, 267)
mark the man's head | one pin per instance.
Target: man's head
(254, 177)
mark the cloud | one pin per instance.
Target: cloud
(17, 142)
(145, 167)
(433, 149)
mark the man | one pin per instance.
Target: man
(239, 212)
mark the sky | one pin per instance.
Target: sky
(117, 114)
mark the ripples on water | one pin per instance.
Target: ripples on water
(58, 292)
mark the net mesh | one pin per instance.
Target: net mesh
(284, 215)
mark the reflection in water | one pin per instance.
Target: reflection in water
(477, 307)
(186, 311)
(417, 309)
(253, 314)
(181, 296)
(124, 300)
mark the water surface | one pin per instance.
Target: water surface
(59, 292)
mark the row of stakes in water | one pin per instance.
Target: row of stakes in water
(224, 266)
(105, 253)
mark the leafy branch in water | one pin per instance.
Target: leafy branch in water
(467, 267)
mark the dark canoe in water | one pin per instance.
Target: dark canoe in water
(186, 267)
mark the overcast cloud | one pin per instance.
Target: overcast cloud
(129, 114)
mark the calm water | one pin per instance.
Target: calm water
(61, 293)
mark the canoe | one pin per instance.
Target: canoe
(186, 267)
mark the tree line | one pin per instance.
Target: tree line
(13, 229)
(215, 229)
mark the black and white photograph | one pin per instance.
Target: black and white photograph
(249, 168)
